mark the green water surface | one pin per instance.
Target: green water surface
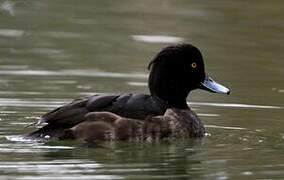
(54, 51)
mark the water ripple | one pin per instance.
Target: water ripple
(64, 34)
(11, 33)
(22, 145)
(235, 105)
(137, 83)
(88, 73)
(225, 127)
(67, 177)
(208, 115)
(157, 39)
(28, 103)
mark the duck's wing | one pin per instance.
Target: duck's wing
(74, 112)
(126, 105)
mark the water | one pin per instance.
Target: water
(54, 51)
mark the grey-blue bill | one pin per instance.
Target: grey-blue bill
(210, 85)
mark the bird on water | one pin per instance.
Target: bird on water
(174, 72)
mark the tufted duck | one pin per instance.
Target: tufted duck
(174, 72)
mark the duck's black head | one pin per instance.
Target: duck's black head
(177, 70)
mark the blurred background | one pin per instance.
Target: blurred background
(54, 51)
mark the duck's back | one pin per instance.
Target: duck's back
(137, 106)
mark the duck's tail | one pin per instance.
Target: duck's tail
(47, 132)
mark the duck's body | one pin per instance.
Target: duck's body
(174, 73)
(136, 106)
(175, 123)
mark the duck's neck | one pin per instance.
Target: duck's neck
(171, 93)
(173, 101)
(179, 105)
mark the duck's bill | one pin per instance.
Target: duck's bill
(210, 85)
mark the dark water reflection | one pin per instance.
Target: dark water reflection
(55, 51)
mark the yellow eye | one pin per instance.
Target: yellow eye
(193, 65)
